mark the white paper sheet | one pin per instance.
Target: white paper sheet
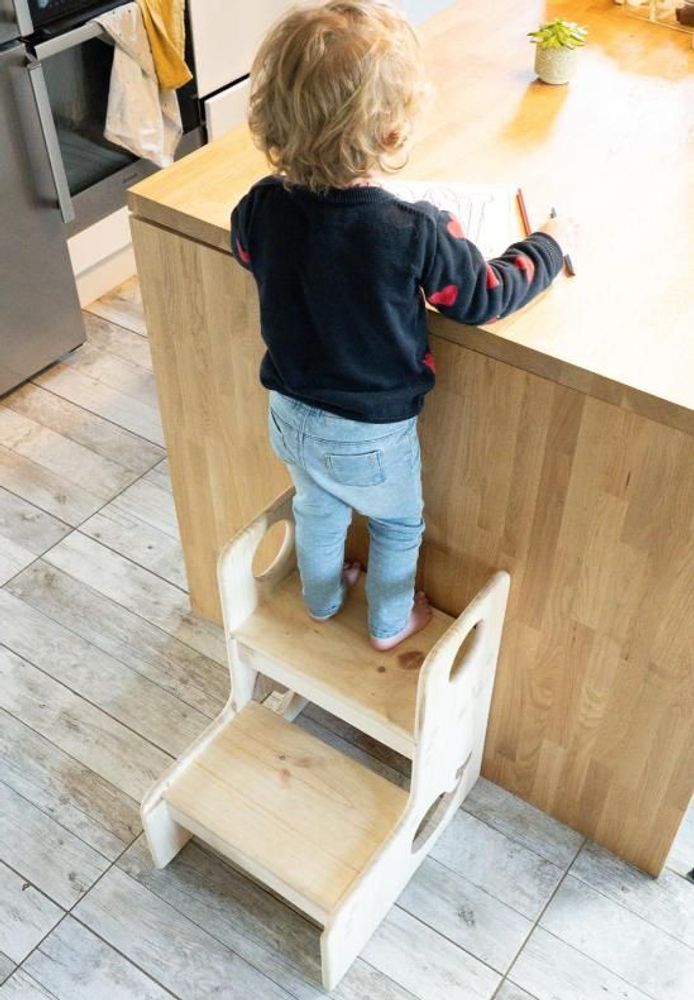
(487, 212)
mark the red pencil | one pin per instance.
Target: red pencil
(527, 228)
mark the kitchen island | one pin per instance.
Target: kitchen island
(558, 443)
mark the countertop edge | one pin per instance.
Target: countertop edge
(478, 339)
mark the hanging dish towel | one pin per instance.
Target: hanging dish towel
(166, 31)
(140, 116)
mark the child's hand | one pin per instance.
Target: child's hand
(564, 230)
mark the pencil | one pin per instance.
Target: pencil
(568, 263)
(527, 228)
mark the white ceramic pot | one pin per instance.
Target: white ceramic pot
(555, 65)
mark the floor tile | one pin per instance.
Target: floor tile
(550, 969)
(523, 822)
(66, 789)
(502, 867)
(426, 964)
(629, 946)
(52, 858)
(667, 902)
(167, 945)
(467, 915)
(73, 964)
(26, 915)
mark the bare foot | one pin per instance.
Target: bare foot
(351, 571)
(420, 616)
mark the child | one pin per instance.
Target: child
(342, 268)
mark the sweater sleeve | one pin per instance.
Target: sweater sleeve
(462, 285)
(239, 235)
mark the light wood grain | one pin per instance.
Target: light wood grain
(98, 678)
(570, 468)
(553, 485)
(612, 936)
(111, 397)
(466, 914)
(67, 790)
(427, 965)
(336, 667)
(58, 863)
(133, 538)
(549, 968)
(109, 338)
(25, 532)
(608, 332)
(74, 964)
(192, 677)
(290, 809)
(101, 436)
(210, 378)
(6, 967)
(117, 754)
(22, 986)
(168, 946)
(667, 902)
(259, 927)
(135, 588)
(523, 823)
(506, 870)
(509, 991)
(122, 306)
(26, 915)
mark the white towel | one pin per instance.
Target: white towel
(140, 117)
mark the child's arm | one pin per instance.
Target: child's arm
(239, 238)
(462, 285)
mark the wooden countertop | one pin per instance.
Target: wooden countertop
(614, 148)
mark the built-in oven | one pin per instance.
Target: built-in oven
(69, 63)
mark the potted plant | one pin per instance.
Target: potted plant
(557, 44)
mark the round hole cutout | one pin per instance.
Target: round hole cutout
(271, 548)
(470, 643)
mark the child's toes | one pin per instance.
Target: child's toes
(351, 572)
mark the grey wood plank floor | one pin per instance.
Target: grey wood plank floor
(106, 676)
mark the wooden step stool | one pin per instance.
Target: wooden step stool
(336, 840)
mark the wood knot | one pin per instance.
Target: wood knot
(380, 669)
(412, 660)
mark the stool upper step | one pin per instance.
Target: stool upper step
(335, 666)
(292, 811)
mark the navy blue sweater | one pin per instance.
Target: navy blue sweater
(342, 278)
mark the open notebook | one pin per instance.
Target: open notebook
(487, 212)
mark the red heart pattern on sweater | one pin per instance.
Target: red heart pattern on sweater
(524, 263)
(243, 254)
(454, 227)
(492, 279)
(429, 361)
(445, 296)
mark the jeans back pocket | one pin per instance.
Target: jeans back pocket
(365, 469)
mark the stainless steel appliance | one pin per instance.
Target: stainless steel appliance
(57, 172)
(40, 316)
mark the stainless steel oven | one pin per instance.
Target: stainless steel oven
(57, 172)
(69, 63)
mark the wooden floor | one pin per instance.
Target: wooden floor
(105, 676)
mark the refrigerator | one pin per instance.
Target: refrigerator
(40, 317)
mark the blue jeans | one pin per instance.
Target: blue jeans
(338, 465)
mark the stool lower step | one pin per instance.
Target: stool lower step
(295, 813)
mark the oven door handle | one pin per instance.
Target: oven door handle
(70, 40)
(50, 138)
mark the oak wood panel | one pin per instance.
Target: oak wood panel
(586, 504)
(614, 148)
(202, 317)
(569, 469)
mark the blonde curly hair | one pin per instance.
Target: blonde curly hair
(334, 91)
